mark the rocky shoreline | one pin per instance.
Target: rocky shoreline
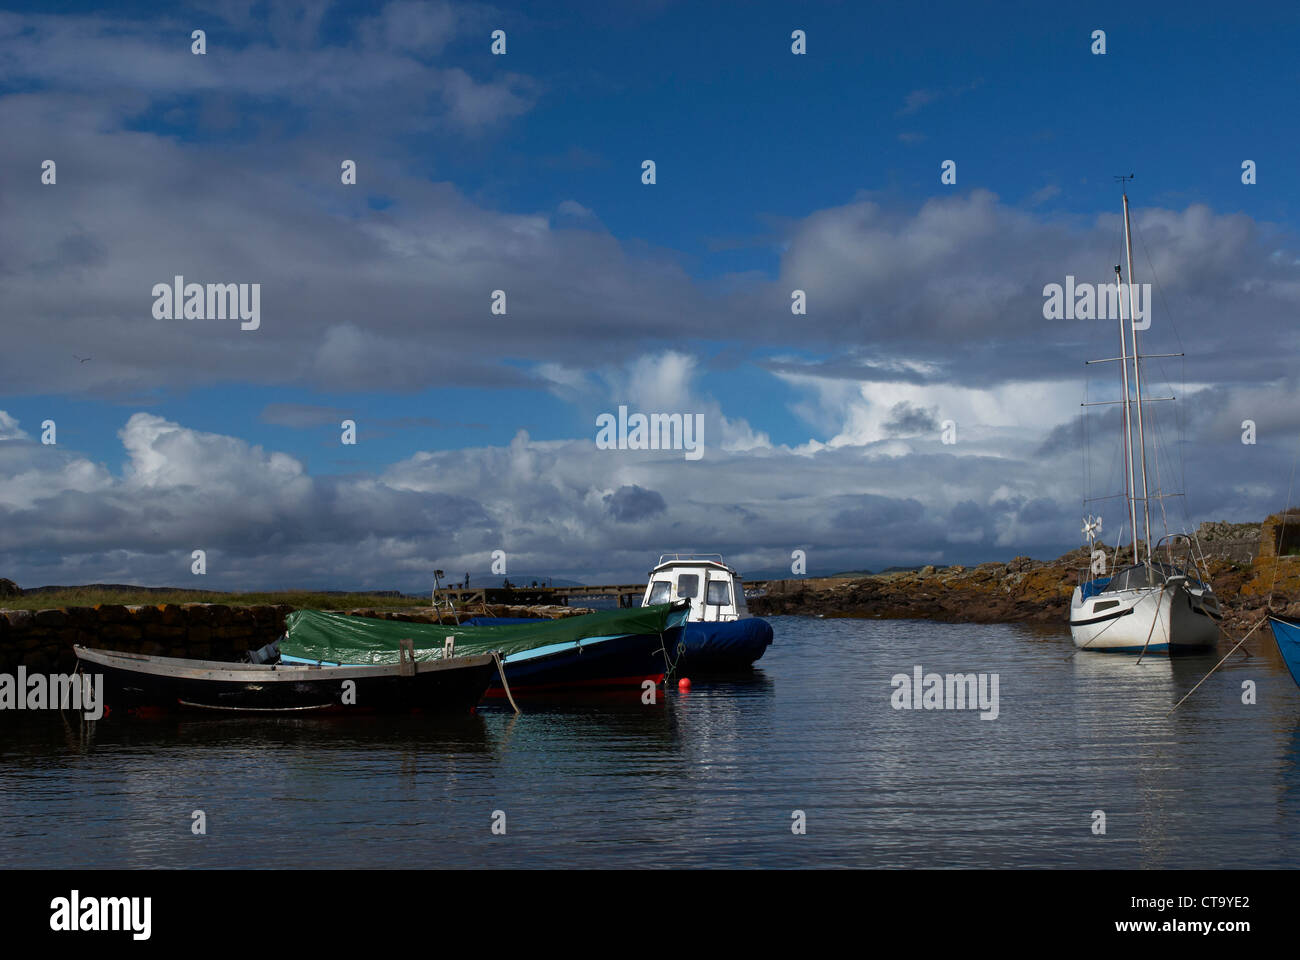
(1242, 559)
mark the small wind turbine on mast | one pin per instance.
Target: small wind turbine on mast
(1091, 527)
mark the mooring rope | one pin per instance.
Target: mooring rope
(1262, 621)
(671, 662)
(501, 671)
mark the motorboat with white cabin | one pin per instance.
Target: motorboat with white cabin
(719, 634)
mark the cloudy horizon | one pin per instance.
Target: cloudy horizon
(922, 409)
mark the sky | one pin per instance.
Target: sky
(922, 410)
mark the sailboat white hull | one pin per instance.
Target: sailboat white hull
(1172, 618)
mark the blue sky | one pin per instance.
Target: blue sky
(523, 172)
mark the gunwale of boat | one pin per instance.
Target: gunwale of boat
(222, 671)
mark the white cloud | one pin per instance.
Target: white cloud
(9, 429)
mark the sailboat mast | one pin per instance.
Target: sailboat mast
(1137, 378)
(1128, 419)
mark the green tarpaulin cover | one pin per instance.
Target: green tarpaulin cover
(319, 635)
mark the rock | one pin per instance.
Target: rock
(9, 589)
(115, 633)
(113, 613)
(19, 619)
(144, 613)
(171, 614)
(51, 618)
(199, 612)
(164, 632)
(268, 617)
(83, 617)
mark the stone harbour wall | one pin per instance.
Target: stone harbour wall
(42, 640)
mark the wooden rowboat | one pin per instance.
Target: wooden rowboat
(134, 682)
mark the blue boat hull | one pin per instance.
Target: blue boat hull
(727, 645)
(1286, 634)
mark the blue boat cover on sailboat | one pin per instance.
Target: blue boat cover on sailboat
(1094, 587)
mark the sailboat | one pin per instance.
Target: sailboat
(1158, 603)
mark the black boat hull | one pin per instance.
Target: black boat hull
(625, 661)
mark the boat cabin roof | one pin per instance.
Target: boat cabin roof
(713, 560)
(715, 590)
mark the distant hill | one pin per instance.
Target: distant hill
(132, 588)
(123, 587)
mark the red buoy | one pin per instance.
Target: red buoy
(684, 684)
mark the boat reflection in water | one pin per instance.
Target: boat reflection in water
(1127, 735)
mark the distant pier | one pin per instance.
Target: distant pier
(628, 594)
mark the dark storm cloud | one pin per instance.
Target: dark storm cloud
(631, 503)
(908, 420)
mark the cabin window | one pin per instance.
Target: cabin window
(719, 593)
(658, 592)
(688, 585)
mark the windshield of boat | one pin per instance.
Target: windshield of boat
(658, 592)
(1137, 577)
(688, 585)
(719, 593)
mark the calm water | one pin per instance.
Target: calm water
(708, 777)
